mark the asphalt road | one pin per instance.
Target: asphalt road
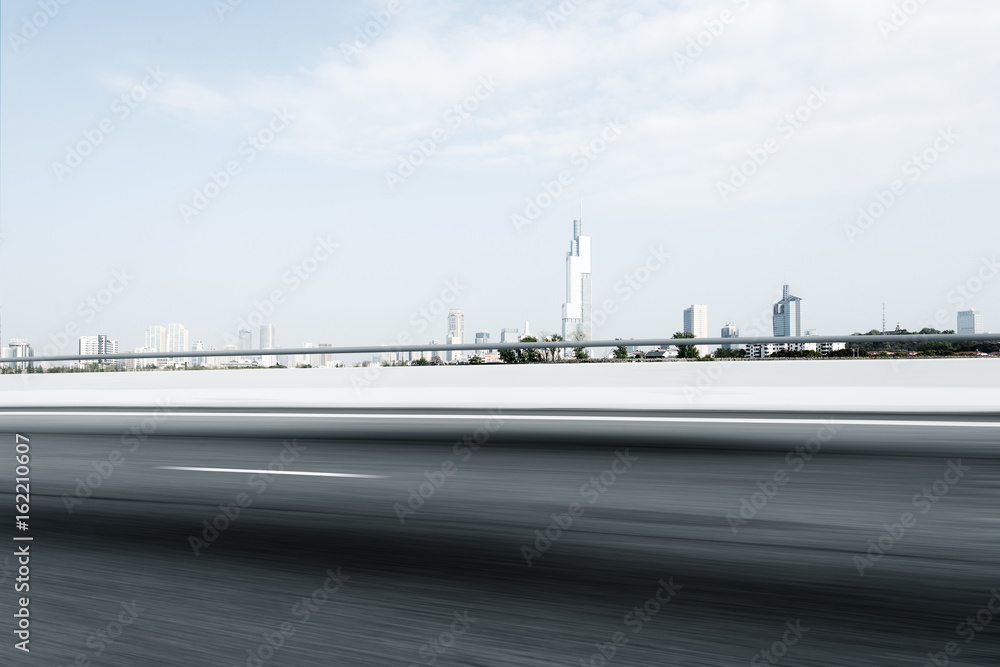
(124, 545)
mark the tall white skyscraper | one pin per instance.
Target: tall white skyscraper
(970, 322)
(696, 322)
(576, 312)
(156, 338)
(177, 338)
(268, 341)
(787, 319)
(456, 332)
(246, 339)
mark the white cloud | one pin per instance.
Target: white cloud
(616, 59)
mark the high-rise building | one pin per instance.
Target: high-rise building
(577, 323)
(483, 341)
(156, 338)
(510, 335)
(730, 331)
(787, 320)
(456, 332)
(100, 344)
(246, 339)
(197, 346)
(325, 360)
(696, 322)
(268, 341)
(18, 349)
(970, 322)
(177, 338)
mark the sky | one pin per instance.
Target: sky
(346, 170)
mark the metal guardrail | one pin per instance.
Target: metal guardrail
(635, 342)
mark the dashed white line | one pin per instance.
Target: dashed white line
(274, 472)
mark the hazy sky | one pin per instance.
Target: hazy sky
(116, 115)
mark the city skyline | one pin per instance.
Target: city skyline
(312, 215)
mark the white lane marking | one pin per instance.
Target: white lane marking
(502, 417)
(274, 472)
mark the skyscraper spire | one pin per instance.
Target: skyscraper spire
(577, 322)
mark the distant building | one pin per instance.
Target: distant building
(156, 338)
(729, 331)
(670, 352)
(456, 332)
(197, 346)
(326, 360)
(787, 320)
(970, 322)
(101, 344)
(177, 338)
(268, 341)
(510, 335)
(19, 349)
(577, 316)
(696, 322)
(482, 340)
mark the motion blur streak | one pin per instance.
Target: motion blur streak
(810, 462)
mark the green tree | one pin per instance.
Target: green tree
(621, 352)
(475, 360)
(509, 356)
(420, 361)
(686, 351)
(529, 355)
